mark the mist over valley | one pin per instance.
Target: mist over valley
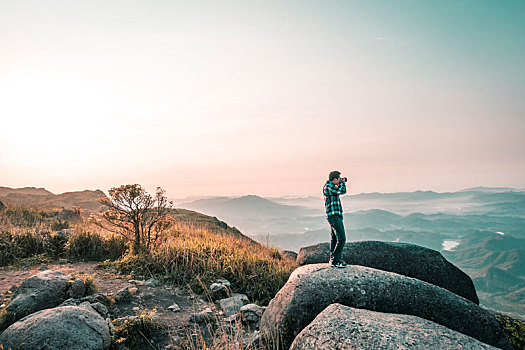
(481, 229)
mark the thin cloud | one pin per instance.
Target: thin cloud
(380, 38)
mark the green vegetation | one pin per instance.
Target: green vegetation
(514, 329)
(90, 243)
(89, 281)
(53, 219)
(30, 236)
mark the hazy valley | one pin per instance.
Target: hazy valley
(481, 230)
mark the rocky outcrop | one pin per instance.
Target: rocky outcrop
(342, 327)
(405, 259)
(41, 291)
(311, 288)
(64, 327)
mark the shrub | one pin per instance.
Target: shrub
(17, 244)
(134, 331)
(514, 329)
(136, 215)
(88, 244)
(89, 281)
(37, 244)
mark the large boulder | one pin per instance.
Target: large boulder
(42, 291)
(64, 327)
(405, 259)
(311, 288)
(342, 327)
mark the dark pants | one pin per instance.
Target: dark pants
(338, 238)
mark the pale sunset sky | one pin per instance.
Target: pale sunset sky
(262, 97)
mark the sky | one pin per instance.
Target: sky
(262, 97)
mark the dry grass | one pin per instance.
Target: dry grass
(32, 235)
(189, 254)
(89, 242)
(514, 329)
(133, 332)
(197, 250)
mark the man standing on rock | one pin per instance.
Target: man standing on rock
(335, 186)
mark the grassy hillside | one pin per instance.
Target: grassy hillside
(194, 252)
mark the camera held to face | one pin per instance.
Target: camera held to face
(343, 179)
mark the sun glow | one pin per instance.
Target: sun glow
(46, 114)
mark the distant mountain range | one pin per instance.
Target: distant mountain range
(247, 206)
(480, 229)
(39, 197)
(485, 226)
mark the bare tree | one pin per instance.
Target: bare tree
(137, 215)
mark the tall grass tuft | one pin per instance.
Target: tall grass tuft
(22, 243)
(29, 233)
(89, 243)
(133, 332)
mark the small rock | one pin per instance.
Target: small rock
(78, 288)
(98, 298)
(100, 308)
(43, 268)
(152, 282)
(136, 309)
(252, 312)
(232, 305)
(204, 316)
(224, 282)
(174, 307)
(137, 282)
(124, 294)
(62, 261)
(86, 305)
(221, 288)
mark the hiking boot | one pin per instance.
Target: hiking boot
(339, 265)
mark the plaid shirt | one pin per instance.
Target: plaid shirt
(331, 197)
